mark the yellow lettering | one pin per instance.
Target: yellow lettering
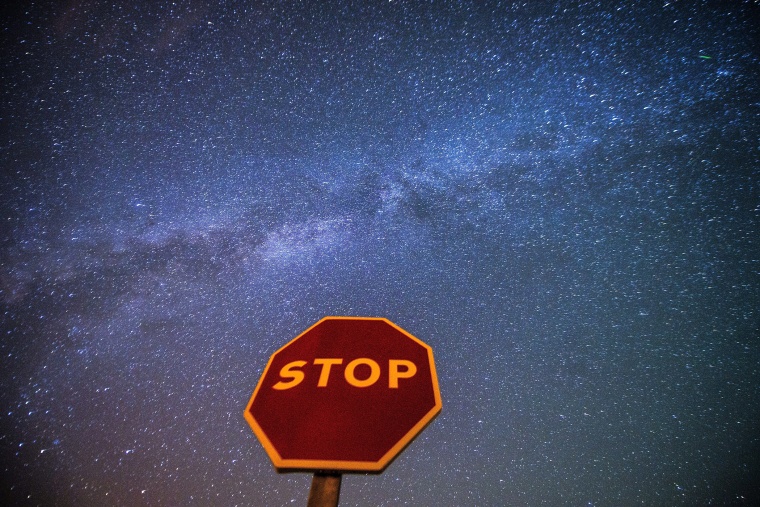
(326, 363)
(394, 373)
(374, 373)
(287, 371)
(292, 375)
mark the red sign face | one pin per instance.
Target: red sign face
(347, 394)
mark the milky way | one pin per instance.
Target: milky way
(561, 198)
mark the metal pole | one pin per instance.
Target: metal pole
(325, 490)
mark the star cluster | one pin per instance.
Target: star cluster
(561, 198)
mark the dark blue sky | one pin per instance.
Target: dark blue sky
(561, 198)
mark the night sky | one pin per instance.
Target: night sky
(561, 198)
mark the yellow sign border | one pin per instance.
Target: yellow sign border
(345, 466)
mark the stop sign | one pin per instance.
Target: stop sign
(347, 394)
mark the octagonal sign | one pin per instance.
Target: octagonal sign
(348, 394)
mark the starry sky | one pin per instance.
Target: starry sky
(561, 198)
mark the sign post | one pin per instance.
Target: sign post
(346, 395)
(325, 490)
